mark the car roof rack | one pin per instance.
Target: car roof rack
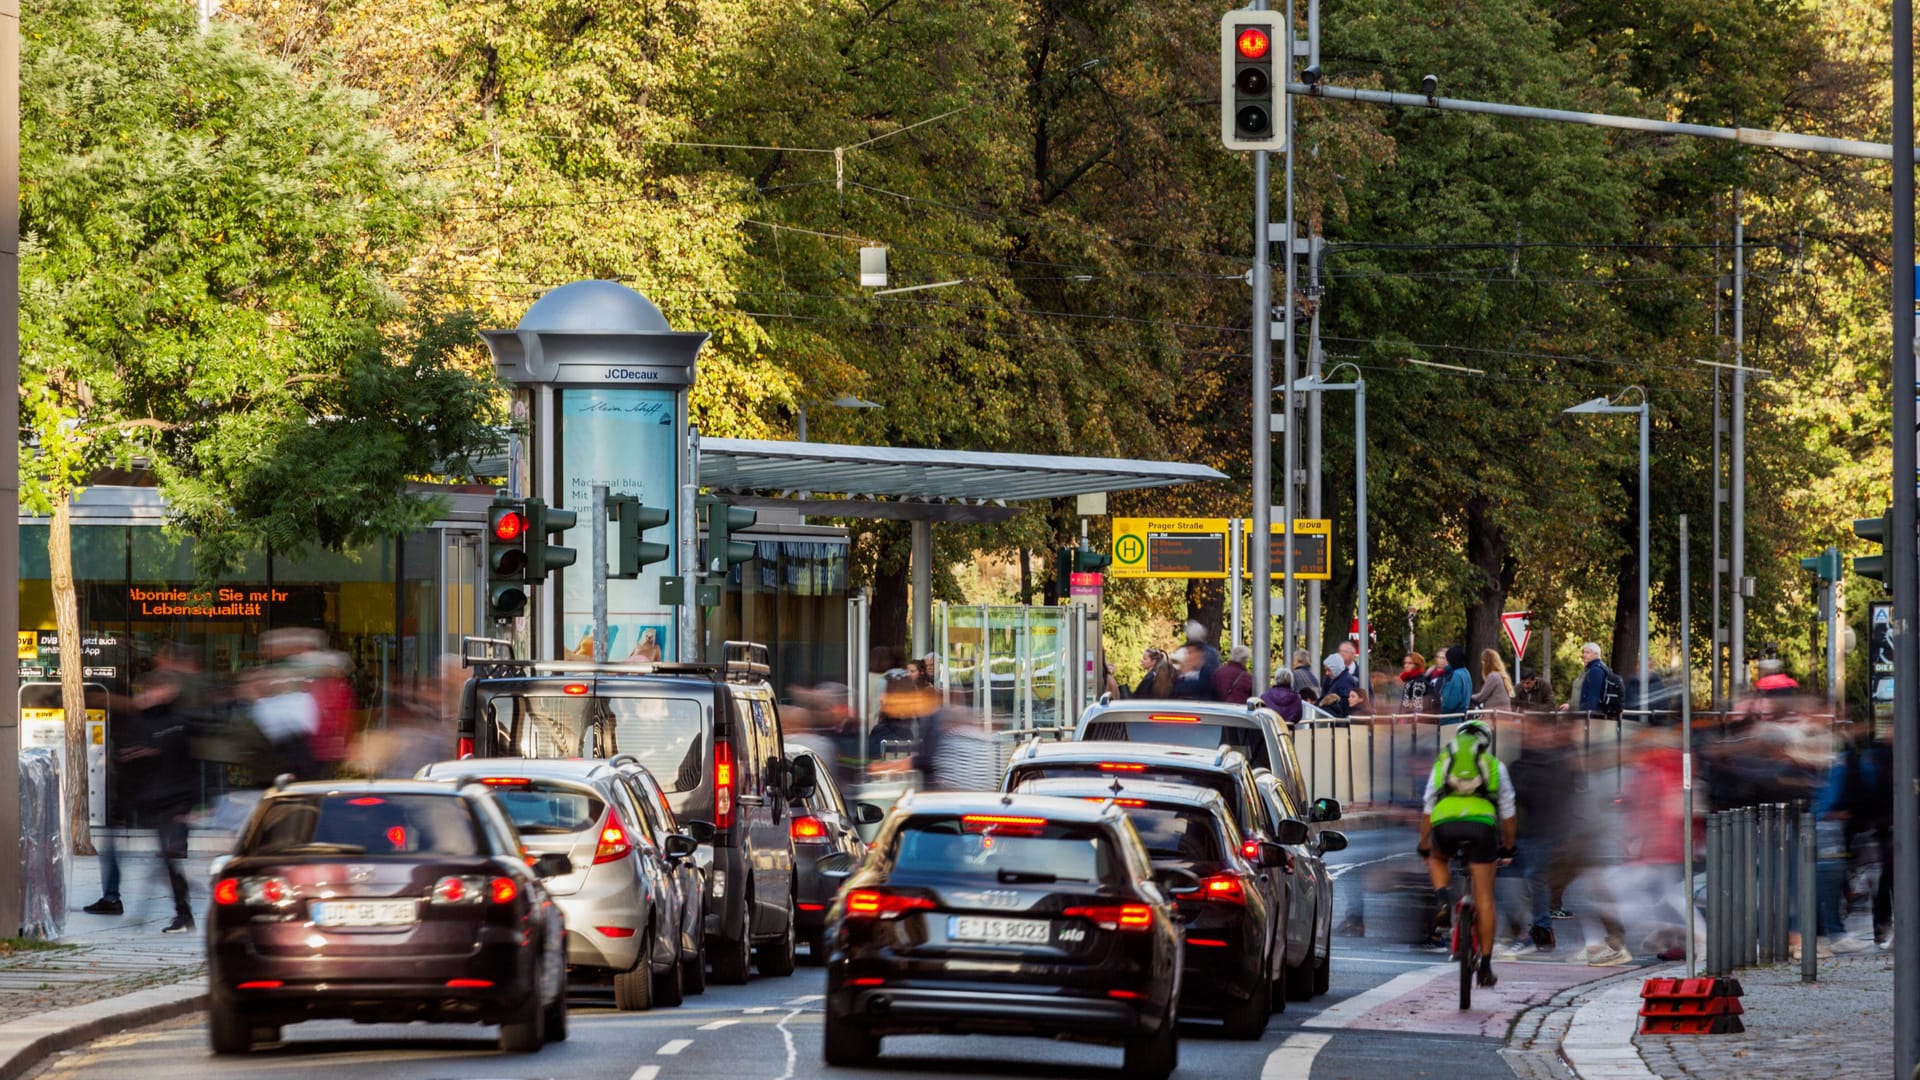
(746, 661)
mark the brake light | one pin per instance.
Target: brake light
(867, 981)
(502, 890)
(505, 781)
(1126, 995)
(261, 984)
(1213, 942)
(1251, 849)
(575, 689)
(1131, 918)
(227, 891)
(876, 904)
(616, 931)
(266, 890)
(1121, 766)
(464, 749)
(367, 800)
(468, 984)
(723, 785)
(613, 840)
(1173, 718)
(1224, 888)
(450, 890)
(807, 828)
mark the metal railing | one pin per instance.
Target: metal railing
(1760, 873)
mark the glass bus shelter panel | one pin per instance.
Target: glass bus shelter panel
(1010, 665)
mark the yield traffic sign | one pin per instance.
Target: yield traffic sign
(1519, 628)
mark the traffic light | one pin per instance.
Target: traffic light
(631, 553)
(724, 552)
(1088, 561)
(1063, 566)
(506, 559)
(544, 556)
(1253, 82)
(1825, 566)
(1877, 530)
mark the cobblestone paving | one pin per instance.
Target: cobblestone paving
(1840, 1026)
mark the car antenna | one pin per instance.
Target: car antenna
(1006, 799)
(1116, 788)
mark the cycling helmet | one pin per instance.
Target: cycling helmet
(1478, 728)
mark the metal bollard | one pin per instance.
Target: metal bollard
(1767, 884)
(1714, 916)
(1809, 918)
(1784, 866)
(1743, 864)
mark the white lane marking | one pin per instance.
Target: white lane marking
(805, 998)
(1293, 1059)
(1348, 958)
(793, 1052)
(716, 1025)
(1343, 1013)
(674, 1046)
(645, 1072)
(758, 1009)
(1335, 872)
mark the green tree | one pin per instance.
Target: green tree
(205, 240)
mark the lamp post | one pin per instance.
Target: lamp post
(1605, 405)
(844, 401)
(1313, 384)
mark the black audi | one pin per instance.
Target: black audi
(1005, 915)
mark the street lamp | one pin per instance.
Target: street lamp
(1605, 405)
(1313, 384)
(844, 401)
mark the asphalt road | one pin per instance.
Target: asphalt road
(1389, 1014)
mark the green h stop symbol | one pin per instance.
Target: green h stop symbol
(1129, 549)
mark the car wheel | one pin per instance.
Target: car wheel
(775, 958)
(1323, 975)
(848, 1044)
(668, 990)
(693, 969)
(633, 990)
(1153, 1057)
(733, 959)
(227, 1031)
(1248, 1020)
(526, 1031)
(557, 1017)
(1299, 980)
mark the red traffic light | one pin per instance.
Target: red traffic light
(1253, 43)
(509, 525)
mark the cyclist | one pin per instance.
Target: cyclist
(1469, 801)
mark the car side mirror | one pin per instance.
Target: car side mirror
(1275, 857)
(837, 867)
(1176, 881)
(678, 846)
(1326, 810)
(803, 778)
(866, 813)
(551, 865)
(1332, 840)
(701, 831)
(1292, 831)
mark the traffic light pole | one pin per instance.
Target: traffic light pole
(1260, 564)
(1905, 574)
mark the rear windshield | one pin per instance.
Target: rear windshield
(1176, 832)
(1007, 848)
(365, 824)
(667, 734)
(544, 808)
(1237, 803)
(1142, 728)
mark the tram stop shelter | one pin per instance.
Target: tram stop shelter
(922, 487)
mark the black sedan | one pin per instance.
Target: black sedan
(826, 836)
(1007, 915)
(1231, 962)
(382, 901)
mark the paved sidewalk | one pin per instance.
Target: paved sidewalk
(1839, 1026)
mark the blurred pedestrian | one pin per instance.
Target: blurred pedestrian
(1209, 656)
(1191, 679)
(1280, 697)
(1305, 682)
(1544, 775)
(1589, 689)
(1456, 688)
(1336, 694)
(1496, 690)
(1413, 682)
(1233, 683)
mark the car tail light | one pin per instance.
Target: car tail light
(723, 785)
(811, 907)
(879, 904)
(261, 984)
(1117, 802)
(506, 781)
(1003, 824)
(616, 931)
(226, 892)
(1223, 888)
(867, 981)
(1131, 918)
(465, 747)
(807, 828)
(1121, 766)
(1173, 718)
(266, 891)
(1125, 995)
(502, 890)
(574, 689)
(367, 800)
(1214, 942)
(469, 984)
(1251, 849)
(451, 890)
(613, 840)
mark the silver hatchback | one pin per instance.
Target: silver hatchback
(623, 907)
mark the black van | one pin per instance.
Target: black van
(709, 734)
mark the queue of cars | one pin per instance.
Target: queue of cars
(648, 826)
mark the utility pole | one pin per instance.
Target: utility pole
(1719, 496)
(10, 452)
(1316, 619)
(1260, 565)
(1289, 592)
(1737, 650)
(1905, 576)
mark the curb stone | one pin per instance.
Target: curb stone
(1533, 1044)
(26, 1043)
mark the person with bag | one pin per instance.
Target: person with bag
(1470, 806)
(1590, 689)
(282, 706)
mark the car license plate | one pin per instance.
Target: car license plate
(366, 913)
(999, 931)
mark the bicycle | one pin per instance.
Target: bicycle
(1466, 941)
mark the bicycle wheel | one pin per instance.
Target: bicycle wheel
(1465, 954)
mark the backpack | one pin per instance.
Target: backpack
(1613, 694)
(1465, 769)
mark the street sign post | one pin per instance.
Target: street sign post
(1519, 628)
